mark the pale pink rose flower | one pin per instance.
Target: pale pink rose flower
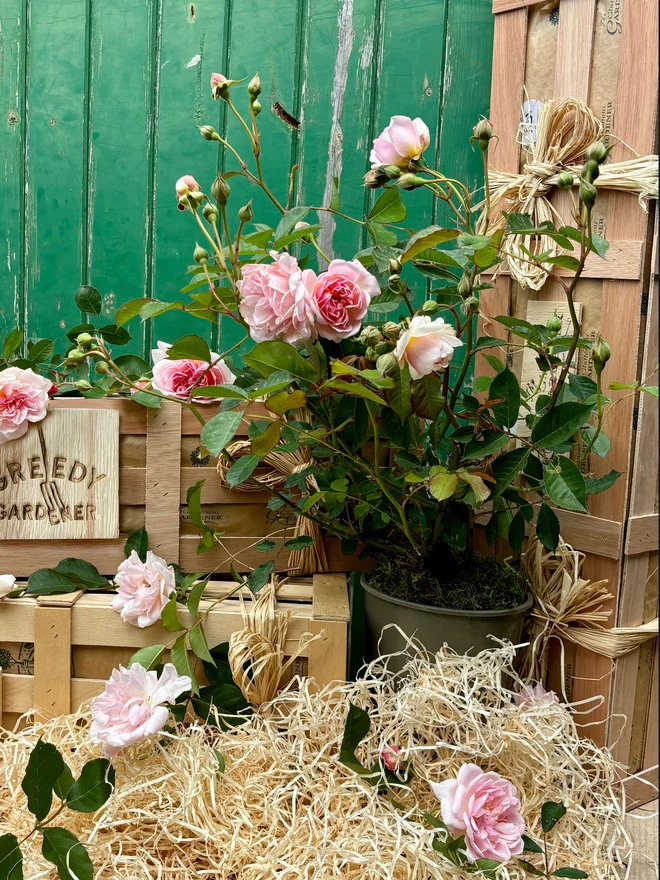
(217, 81)
(341, 298)
(391, 756)
(143, 589)
(276, 300)
(176, 378)
(426, 346)
(403, 139)
(134, 706)
(23, 399)
(485, 808)
(535, 695)
(7, 582)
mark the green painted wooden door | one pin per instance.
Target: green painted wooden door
(100, 99)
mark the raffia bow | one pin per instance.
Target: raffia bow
(311, 559)
(568, 607)
(564, 131)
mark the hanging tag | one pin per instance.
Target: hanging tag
(530, 118)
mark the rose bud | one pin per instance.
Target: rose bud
(565, 180)
(84, 340)
(600, 354)
(76, 356)
(390, 330)
(208, 133)
(392, 172)
(387, 364)
(554, 325)
(587, 193)
(245, 213)
(395, 266)
(370, 354)
(464, 288)
(187, 190)
(256, 107)
(83, 385)
(470, 305)
(391, 757)
(210, 213)
(219, 86)
(254, 86)
(101, 367)
(52, 391)
(430, 307)
(410, 181)
(381, 348)
(370, 336)
(483, 133)
(374, 179)
(200, 255)
(220, 190)
(596, 151)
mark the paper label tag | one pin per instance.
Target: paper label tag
(530, 118)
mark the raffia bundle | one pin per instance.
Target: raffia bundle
(282, 465)
(564, 131)
(286, 807)
(571, 608)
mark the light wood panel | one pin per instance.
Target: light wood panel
(52, 660)
(163, 479)
(622, 261)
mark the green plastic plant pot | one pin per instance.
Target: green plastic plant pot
(464, 631)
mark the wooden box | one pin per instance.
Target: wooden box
(58, 651)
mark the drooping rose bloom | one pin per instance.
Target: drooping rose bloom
(276, 300)
(391, 757)
(185, 185)
(485, 808)
(341, 298)
(143, 589)
(535, 695)
(426, 346)
(134, 706)
(217, 81)
(176, 378)
(403, 139)
(23, 399)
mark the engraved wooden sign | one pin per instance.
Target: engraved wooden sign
(61, 479)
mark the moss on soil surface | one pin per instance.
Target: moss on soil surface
(483, 584)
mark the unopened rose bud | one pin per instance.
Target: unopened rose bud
(430, 307)
(464, 288)
(410, 181)
(254, 86)
(200, 255)
(395, 266)
(587, 193)
(390, 330)
(394, 279)
(301, 224)
(83, 385)
(596, 151)
(76, 356)
(387, 364)
(219, 86)
(256, 107)
(220, 190)
(554, 325)
(371, 336)
(101, 367)
(374, 179)
(186, 185)
(391, 757)
(392, 172)
(381, 348)
(209, 133)
(210, 212)
(245, 213)
(483, 133)
(470, 305)
(565, 180)
(371, 354)
(600, 354)
(84, 340)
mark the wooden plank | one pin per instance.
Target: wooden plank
(132, 416)
(52, 660)
(651, 743)
(642, 533)
(574, 49)
(163, 479)
(640, 789)
(622, 261)
(132, 487)
(330, 597)
(510, 5)
(507, 82)
(191, 427)
(63, 600)
(105, 555)
(600, 537)
(328, 654)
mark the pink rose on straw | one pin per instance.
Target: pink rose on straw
(341, 298)
(485, 808)
(426, 346)
(176, 378)
(403, 139)
(143, 589)
(391, 756)
(535, 695)
(134, 706)
(23, 399)
(276, 301)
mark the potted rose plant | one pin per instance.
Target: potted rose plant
(407, 456)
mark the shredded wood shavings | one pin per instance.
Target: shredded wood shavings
(286, 808)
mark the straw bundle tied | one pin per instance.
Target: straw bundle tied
(564, 131)
(309, 560)
(286, 807)
(568, 607)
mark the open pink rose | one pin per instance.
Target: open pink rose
(535, 695)
(143, 589)
(341, 297)
(426, 346)
(276, 300)
(403, 139)
(177, 378)
(391, 757)
(217, 82)
(23, 399)
(485, 808)
(134, 706)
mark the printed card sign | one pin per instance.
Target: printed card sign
(61, 479)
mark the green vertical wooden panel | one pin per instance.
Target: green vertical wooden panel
(190, 50)
(56, 196)
(120, 133)
(13, 45)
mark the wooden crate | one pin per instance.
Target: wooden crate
(70, 644)
(158, 463)
(605, 54)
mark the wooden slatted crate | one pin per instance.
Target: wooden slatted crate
(70, 644)
(606, 55)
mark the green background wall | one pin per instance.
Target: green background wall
(100, 99)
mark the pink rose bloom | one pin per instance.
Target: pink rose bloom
(485, 808)
(535, 695)
(134, 706)
(185, 185)
(426, 346)
(341, 299)
(176, 378)
(276, 300)
(23, 399)
(217, 81)
(391, 757)
(403, 139)
(143, 589)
